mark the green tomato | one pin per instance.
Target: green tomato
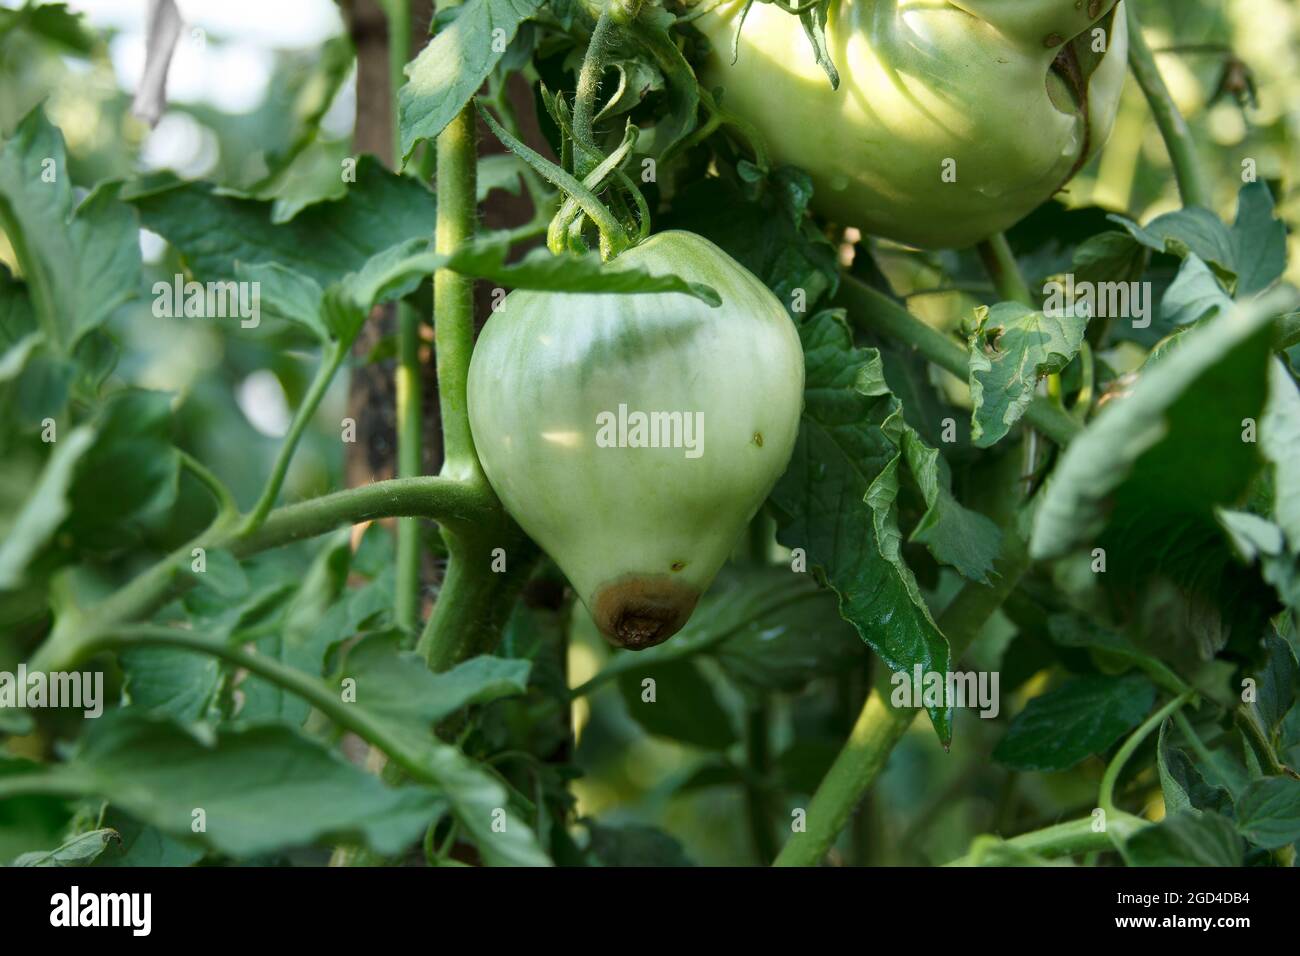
(557, 387)
(951, 121)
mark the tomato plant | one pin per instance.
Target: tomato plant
(542, 432)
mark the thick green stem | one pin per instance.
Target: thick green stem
(1001, 265)
(329, 366)
(584, 104)
(1063, 839)
(475, 600)
(453, 294)
(449, 502)
(408, 375)
(876, 312)
(1173, 128)
(409, 463)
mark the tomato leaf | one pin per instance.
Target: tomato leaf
(1268, 813)
(836, 501)
(1082, 717)
(324, 242)
(680, 705)
(80, 262)
(81, 850)
(1186, 839)
(1011, 348)
(454, 64)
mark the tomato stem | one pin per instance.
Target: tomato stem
(1173, 128)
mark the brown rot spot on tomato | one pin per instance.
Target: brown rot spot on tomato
(1053, 39)
(758, 439)
(1094, 9)
(636, 611)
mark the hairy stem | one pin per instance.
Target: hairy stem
(453, 294)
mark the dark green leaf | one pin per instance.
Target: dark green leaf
(836, 501)
(633, 845)
(1268, 813)
(683, 706)
(1186, 839)
(79, 263)
(1082, 717)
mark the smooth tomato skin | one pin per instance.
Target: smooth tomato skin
(639, 532)
(922, 83)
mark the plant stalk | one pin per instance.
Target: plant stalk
(1173, 128)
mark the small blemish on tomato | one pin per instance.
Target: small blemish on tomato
(758, 439)
(678, 565)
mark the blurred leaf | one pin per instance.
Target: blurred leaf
(454, 64)
(31, 822)
(788, 646)
(130, 472)
(633, 845)
(45, 509)
(260, 788)
(1186, 839)
(82, 850)
(399, 689)
(324, 242)
(1268, 813)
(1279, 436)
(141, 845)
(1182, 784)
(1194, 295)
(1140, 484)
(303, 637)
(53, 22)
(684, 706)
(173, 682)
(499, 171)
(79, 263)
(1260, 241)
(1082, 717)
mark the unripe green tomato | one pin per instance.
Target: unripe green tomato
(640, 532)
(964, 88)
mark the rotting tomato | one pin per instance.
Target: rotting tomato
(556, 384)
(1007, 97)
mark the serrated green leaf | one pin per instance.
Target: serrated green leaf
(837, 502)
(454, 64)
(1011, 348)
(1268, 812)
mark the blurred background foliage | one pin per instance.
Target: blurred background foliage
(258, 86)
